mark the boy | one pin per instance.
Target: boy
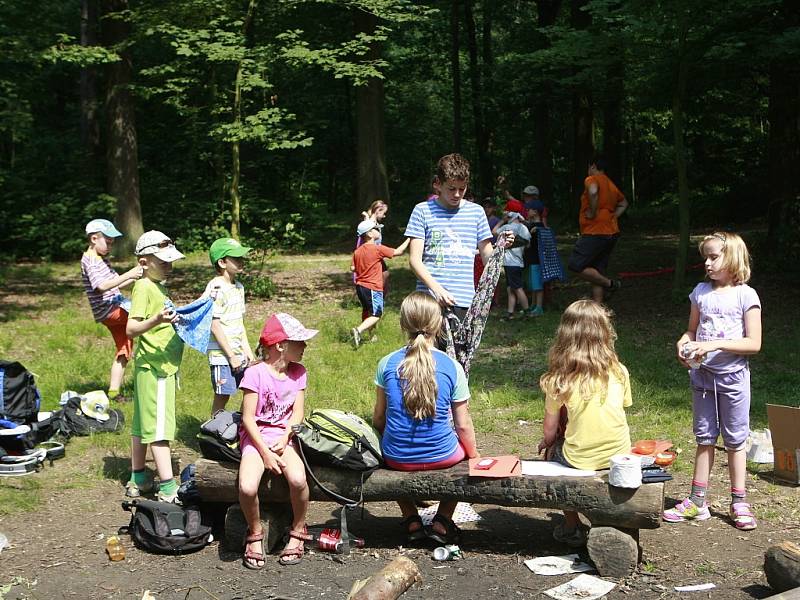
(158, 356)
(533, 270)
(367, 264)
(102, 284)
(513, 260)
(229, 350)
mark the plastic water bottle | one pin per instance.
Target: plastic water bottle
(115, 549)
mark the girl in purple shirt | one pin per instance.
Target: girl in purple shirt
(724, 329)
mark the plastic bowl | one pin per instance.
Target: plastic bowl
(644, 447)
(665, 459)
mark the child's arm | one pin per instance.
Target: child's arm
(379, 412)
(137, 326)
(298, 412)
(550, 431)
(749, 344)
(442, 296)
(464, 428)
(126, 279)
(219, 334)
(272, 462)
(689, 334)
(500, 224)
(402, 247)
(594, 197)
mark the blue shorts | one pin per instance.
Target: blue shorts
(371, 301)
(533, 278)
(224, 381)
(514, 277)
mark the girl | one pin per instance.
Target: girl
(376, 212)
(417, 387)
(724, 329)
(274, 395)
(585, 379)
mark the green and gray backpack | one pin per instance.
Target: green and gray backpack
(334, 438)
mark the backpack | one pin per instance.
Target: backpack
(335, 438)
(219, 437)
(166, 528)
(19, 397)
(72, 421)
(20, 439)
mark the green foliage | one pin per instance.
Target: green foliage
(257, 285)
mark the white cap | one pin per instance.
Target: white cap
(103, 226)
(367, 225)
(156, 243)
(531, 190)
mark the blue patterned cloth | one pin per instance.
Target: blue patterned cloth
(194, 324)
(549, 260)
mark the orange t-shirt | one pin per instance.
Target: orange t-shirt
(367, 261)
(608, 196)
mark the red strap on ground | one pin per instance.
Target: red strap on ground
(634, 274)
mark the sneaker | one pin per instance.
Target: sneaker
(168, 498)
(686, 511)
(356, 337)
(742, 516)
(508, 317)
(536, 311)
(135, 491)
(574, 539)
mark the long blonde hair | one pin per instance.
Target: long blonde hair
(421, 320)
(582, 354)
(370, 212)
(735, 257)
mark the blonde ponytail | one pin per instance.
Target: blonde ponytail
(421, 319)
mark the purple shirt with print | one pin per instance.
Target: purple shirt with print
(722, 318)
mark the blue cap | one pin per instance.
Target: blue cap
(536, 205)
(103, 226)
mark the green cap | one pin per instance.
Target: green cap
(226, 247)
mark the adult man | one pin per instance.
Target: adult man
(601, 205)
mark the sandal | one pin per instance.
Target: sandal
(413, 535)
(292, 556)
(743, 518)
(452, 531)
(251, 558)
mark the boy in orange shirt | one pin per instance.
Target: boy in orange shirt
(369, 275)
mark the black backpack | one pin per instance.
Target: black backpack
(219, 437)
(72, 421)
(19, 398)
(166, 528)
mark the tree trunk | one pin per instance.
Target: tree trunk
(612, 119)
(488, 101)
(455, 67)
(582, 112)
(782, 566)
(481, 137)
(89, 124)
(121, 153)
(373, 181)
(678, 130)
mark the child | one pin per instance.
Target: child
(228, 348)
(367, 265)
(102, 285)
(274, 397)
(158, 357)
(513, 260)
(724, 329)
(418, 387)
(584, 375)
(533, 269)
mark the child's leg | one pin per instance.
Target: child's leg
(367, 324)
(512, 300)
(138, 452)
(219, 402)
(116, 323)
(117, 373)
(539, 298)
(521, 298)
(163, 459)
(251, 468)
(295, 473)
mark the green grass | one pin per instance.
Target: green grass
(46, 324)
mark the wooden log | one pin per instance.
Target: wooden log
(601, 503)
(615, 553)
(789, 595)
(389, 583)
(782, 566)
(276, 519)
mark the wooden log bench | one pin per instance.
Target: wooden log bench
(616, 514)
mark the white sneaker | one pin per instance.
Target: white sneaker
(356, 337)
(168, 498)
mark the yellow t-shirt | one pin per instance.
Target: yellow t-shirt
(596, 428)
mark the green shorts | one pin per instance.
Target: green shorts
(153, 406)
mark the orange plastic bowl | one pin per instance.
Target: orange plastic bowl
(644, 447)
(665, 459)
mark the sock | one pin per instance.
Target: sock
(139, 477)
(698, 493)
(112, 394)
(738, 495)
(168, 487)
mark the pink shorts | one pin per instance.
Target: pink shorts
(458, 455)
(269, 434)
(117, 321)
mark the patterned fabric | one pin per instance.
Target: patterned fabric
(95, 270)
(463, 338)
(552, 269)
(194, 323)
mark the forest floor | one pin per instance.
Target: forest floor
(57, 548)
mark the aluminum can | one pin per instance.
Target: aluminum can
(449, 552)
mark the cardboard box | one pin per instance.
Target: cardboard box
(784, 424)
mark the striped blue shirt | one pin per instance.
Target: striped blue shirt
(450, 239)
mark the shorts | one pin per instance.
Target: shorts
(269, 435)
(224, 380)
(371, 301)
(514, 277)
(153, 406)
(457, 456)
(721, 404)
(533, 278)
(592, 251)
(116, 322)
(557, 454)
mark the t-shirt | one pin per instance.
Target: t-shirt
(450, 238)
(596, 428)
(722, 318)
(229, 309)
(276, 395)
(160, 348)
(95, 269)
(406, 439)
(608, 196)
(367, 261)
(514, 257)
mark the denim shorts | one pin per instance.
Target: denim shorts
(224, 381)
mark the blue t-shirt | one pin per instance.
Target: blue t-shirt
(409, 440)
(450, 238)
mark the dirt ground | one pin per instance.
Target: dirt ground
(58, 551)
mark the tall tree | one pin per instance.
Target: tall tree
(484, 167)
(582, 108)
(90, 123)
(455, 71)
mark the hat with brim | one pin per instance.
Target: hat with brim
(95, 405)
(157, 244)
(226, 247)
(103, 226)
(531, 190)
(367, 225)
(281, 327)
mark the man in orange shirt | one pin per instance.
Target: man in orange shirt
(367, 264)
(601, 205)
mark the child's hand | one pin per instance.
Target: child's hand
(543, 445)
(700, 349)
(506, 239)
(273, 463)
(237, 363)
(167, 315)
(278, 446)
(443, 297)
(135, 273)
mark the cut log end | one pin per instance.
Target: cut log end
(389, 583)
(614, 552)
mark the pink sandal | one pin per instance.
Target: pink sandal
(292, 556)
(252, 558)
(743, 518)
